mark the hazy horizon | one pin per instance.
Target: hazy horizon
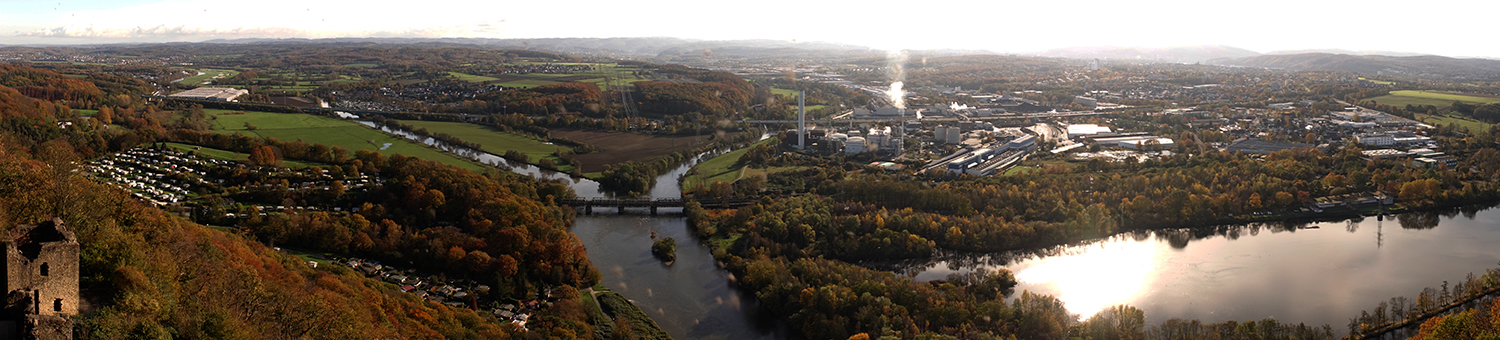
(1271, 26)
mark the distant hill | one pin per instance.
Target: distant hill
(1348, 52)
(1185, 54)
(1427, 65)
(653, 47)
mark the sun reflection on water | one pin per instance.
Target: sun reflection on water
(1097, 277)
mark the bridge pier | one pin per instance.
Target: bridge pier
(588, 210)
(653, 210)
(621, 209)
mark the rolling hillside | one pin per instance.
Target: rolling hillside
(1413, 66)
(1185, 54)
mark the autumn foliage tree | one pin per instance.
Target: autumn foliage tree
(265, 155)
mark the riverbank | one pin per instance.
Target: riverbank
(616, 317)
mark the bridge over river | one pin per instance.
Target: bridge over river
(588, 203)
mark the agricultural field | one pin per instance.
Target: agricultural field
(1448, 119)
(491, 141)
(329, 131)
(208, 76)
(471, 78)
(1439, 99)
(517, 81)
(618, 147)
(299, 82)
(615, 147)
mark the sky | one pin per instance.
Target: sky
(1443, 27)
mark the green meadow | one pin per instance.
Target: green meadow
(328, 131)
(495, 142)
(1450, 119)
(1439, 99)
(724, 169)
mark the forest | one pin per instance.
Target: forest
(151, 274)
(685, 90)
(895, 216)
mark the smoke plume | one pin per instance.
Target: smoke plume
(896, 69)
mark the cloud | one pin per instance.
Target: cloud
(163, 31)
(1003, 26)
(183, 32)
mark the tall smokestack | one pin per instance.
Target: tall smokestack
(801, 121)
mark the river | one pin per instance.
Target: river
(691, 299)
(1284, 271)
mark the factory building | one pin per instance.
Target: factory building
(1085, 130)
(988, 161)
(1438, 161)
(875, 140)
(1379, 139)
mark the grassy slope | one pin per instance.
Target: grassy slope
(492, 141)
(717, 169)
(723, 169)
(234, 156)
(329, 131)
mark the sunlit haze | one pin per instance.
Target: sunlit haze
(999, 26)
